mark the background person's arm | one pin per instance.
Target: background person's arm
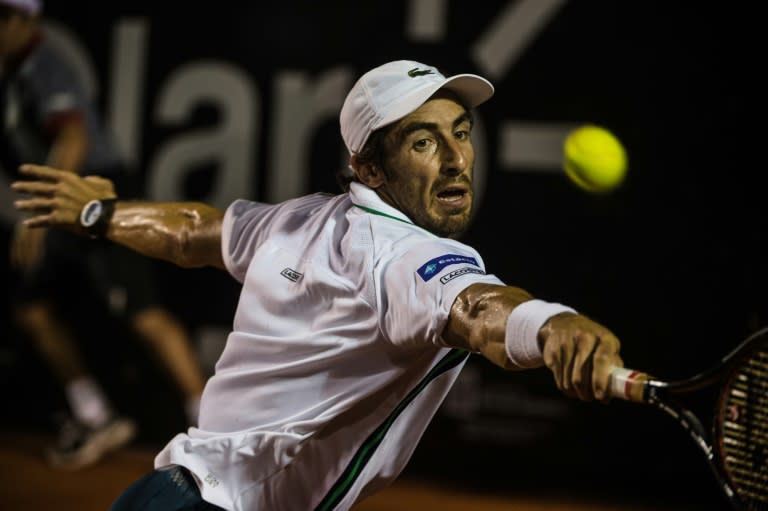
(70, 145)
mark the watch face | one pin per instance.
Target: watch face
(91, 213)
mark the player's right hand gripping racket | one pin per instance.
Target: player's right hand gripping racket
(733, 431)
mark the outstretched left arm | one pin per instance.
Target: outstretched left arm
(497, 321)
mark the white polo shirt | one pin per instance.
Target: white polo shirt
(335, 365)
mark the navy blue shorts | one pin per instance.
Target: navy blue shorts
(164, 490)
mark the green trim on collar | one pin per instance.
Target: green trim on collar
(375, 212)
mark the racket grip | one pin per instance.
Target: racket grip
(628, 384)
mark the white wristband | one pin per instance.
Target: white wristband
(523, 325)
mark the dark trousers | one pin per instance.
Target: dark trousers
(163, 490)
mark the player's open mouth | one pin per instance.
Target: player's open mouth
(453, 195)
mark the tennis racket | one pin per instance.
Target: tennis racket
(732, 431)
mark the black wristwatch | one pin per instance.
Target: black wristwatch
(95, 216)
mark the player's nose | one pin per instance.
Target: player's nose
(454, 157)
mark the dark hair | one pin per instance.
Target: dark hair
(372, 153)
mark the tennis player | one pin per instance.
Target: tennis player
(357, 310)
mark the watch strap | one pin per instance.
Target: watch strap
(98, 229)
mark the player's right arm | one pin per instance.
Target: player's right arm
(187, 234)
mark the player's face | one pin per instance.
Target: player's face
(429, 165)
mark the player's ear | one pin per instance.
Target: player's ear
(368, 173)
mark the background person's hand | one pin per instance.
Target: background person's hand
(58, 196)
(580, 353)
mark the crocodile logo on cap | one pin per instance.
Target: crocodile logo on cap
(413, 73)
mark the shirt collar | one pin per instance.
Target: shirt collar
(368, 199)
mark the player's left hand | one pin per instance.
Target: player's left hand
(580, 353)
(58, 196)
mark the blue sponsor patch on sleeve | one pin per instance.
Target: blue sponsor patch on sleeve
(438, 264)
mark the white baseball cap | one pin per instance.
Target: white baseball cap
(393, 90)
(32, 7)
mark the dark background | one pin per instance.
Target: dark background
(673, 261)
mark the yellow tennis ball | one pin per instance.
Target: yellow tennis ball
(594, 159)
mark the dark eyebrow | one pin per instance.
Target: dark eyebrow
(431, 126)
(465, 117)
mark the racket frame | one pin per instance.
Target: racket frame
(641, 387)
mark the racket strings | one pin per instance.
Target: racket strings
(744, 428)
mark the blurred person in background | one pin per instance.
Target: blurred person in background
(47, 118)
